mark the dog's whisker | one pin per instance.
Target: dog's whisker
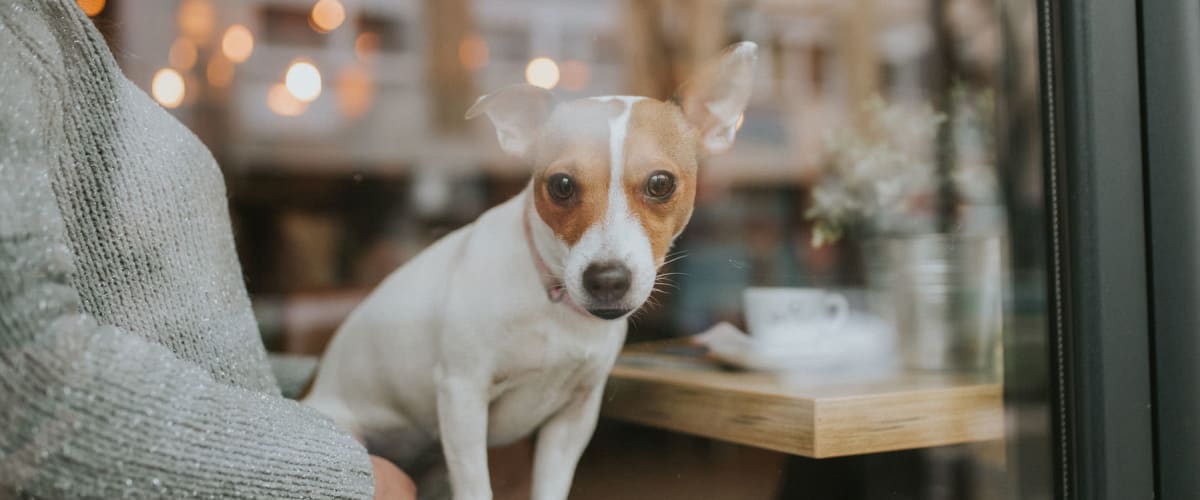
(665, 281)
(673, 257)
(658, 287)
(647, 309)
(670, 261)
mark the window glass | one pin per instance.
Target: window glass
(856, 308)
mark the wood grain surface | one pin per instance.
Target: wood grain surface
(814, 415)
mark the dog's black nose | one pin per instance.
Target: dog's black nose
(607, 281)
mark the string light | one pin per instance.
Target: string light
(366, 45)
(196, 19)
(237, 44)
(281, 101)
(182, 54)
(327, 15)
(303, 80)
(220, 71)
(542, 72)
(92, 8)
(167, 87)
(354, 91)
(473, 52)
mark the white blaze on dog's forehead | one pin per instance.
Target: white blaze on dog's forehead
(618, 235)
(618, 130)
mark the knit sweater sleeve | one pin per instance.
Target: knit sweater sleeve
(90, 411)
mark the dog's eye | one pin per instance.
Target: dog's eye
(660, 185)
(561, 187)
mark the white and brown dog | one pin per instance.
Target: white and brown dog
(510, 325)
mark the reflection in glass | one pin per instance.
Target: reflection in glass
(890, 156)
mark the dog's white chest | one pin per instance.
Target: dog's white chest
(521, 402)
(540, 381)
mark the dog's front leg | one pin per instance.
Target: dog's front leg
(560, 442)
(462, 420)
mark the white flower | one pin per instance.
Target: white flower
(877, 169)
(883, 175)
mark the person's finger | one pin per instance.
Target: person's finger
(391, 483)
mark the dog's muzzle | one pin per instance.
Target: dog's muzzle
(606, 283)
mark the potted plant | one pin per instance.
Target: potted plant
(917, 188)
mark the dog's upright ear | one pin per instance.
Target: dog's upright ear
(517, 112)
(715, 97)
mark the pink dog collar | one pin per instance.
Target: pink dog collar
(556, 291)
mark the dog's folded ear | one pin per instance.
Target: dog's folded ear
(517, 112)
(714, 99)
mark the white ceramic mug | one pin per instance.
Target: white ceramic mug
(781, 316)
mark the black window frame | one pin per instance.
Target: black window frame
(1101, 350)
(1170, 48)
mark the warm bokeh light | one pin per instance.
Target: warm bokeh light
(354, 91)
(91, 7)
(366, 46)
(327, 15)
(473, 52)
(741, 118)
(575, 75)
(167, 88)
(303, 81)
(182, 54)
(220, 71)
(196, 19)
(542, 72)
(237, 44)
(281, 101)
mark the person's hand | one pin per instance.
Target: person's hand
(391, 483)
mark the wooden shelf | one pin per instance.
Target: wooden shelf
(814, 416)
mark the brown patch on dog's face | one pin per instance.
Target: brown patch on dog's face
(574, 142)
(616, 218)
(660, 141)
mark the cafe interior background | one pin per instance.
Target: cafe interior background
(889, 155)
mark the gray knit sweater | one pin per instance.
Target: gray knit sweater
(130, 362)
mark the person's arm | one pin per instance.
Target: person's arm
(90, 411)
